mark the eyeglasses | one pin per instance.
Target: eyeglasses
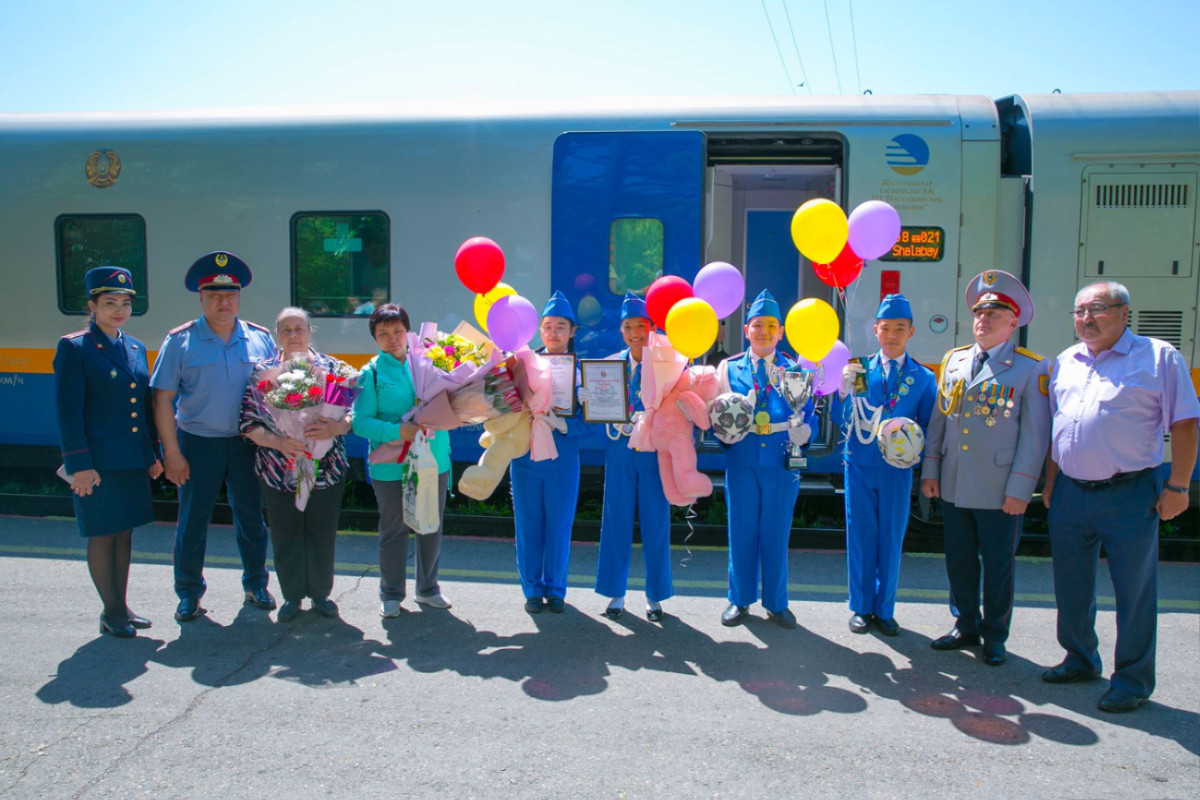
(290, 331)
(1095, 309)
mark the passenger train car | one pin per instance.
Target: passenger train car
(336, 210)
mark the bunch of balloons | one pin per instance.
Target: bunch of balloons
(509, 319)
(836, 244)
(688, 313)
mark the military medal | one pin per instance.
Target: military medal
(113, 373)
(1007, 413)
(990, 421)
(903, 390)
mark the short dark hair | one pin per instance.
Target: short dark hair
(388, 312)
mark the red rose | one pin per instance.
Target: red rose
(313, 391)
(264, 385)
(329, 378)
(294, 398)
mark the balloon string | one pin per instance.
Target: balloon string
(689, 516)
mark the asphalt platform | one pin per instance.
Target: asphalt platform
(484, 700)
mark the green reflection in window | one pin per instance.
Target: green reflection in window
(635, 254)
(340, 262)
(99, 240)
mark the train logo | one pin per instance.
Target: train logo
(103, 167)
(907, 154)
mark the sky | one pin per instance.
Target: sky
(71, 55)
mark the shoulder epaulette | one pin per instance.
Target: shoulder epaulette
(257, 327)
(961, 347)
(1028, 354)
(181, 328)
(75, 334)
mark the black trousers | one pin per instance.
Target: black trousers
(303, 541)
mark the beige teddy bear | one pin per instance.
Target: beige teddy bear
(504, 438)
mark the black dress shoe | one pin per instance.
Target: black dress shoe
(654, 614)
(1116, 701)
(1064, 673)
(120, 630)
(955, 640)
(188, 609)
(260, 598)
(994, 654)
(784, 619)
(325, 607)
(288, 611)
(533, 605)
(137, 620)
(734, 615)
(888, 627)
(614, 613)
(556, 605)
(859, 623)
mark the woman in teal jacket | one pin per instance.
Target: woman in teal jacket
(386, 395)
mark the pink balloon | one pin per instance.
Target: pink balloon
(722, 286)
(512, 322)
(874, 228)
(829, 370)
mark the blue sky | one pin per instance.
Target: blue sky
(125, 55)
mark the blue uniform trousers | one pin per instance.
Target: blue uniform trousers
(1122, 518)
(630, 482)
(877, 502)
(762, 501)
(972, 533)
(544, 496)
(212, 462)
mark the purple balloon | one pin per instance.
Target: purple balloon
(721, 286)
(512, 322)
(874, 228)
(829, 369)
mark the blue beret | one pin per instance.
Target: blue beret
(764, 305)
(559, 306)
(108, 280)
(894, 306)
(218, 271)
(633, 307)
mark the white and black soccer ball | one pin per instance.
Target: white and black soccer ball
(900, 442)
(732, 416)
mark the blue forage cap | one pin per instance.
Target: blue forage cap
(764, 306)
(633, 307)
(894, 306)
(559, 306)
(219, 271)
(108, 280)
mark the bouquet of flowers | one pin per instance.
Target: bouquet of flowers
(444, 365)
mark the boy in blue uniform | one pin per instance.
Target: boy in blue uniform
(632, 480)
(889, 384)
(759, 488)
(204, 364)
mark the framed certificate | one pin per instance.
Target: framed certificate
(606, 400)
(562, 384)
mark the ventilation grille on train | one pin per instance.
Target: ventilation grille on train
(1147, 195)
(1165, 325)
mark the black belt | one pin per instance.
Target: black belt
(1120, 477)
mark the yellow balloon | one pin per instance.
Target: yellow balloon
(692, 327)
(812, 328)
(483, 302)
(820, 230)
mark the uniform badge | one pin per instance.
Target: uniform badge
(113, 373)
(903, 390)
(221, 259)
(1044, 384)
(990, 421)
(909, 380)
(989, 277)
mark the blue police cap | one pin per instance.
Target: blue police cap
(764, 305)
(220, 271)
(633, 307)
(894, 306)
(559, 306)
(108, 280)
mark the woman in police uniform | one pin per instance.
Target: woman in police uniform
(106, 428)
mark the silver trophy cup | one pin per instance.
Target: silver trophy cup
(796, 388)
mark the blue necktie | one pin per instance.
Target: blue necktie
(635, 389)
(763, 382)
(893, 377)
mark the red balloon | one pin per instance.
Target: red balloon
(662, 295)
(479, 263)
(842, 271)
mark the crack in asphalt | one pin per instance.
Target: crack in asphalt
(41, 749)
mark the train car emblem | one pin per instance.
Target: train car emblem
(103, 167)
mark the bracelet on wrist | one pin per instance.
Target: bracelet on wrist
(1175, 489)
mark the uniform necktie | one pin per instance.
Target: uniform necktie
(980, 358)
(635, 388)
(892, 377)
(760, 378)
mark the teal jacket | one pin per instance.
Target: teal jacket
(386, 395)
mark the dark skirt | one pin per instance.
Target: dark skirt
(120, 502)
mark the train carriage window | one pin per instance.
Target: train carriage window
(83, 241)
(340, 261)
(635, 254)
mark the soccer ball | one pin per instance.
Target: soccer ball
(732, 416)
(900, 442)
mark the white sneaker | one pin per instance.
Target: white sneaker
(433, 600)
(389, 609)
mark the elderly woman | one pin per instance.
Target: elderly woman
(387, 394)
(105, 425)
(303, 540)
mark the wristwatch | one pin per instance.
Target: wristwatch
(1176, 489)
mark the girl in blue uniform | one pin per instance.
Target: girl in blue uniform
(106, 428)
(545, 492)
(632, 480)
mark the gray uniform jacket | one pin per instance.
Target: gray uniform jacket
(978, 462)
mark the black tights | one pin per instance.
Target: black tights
(108, 562)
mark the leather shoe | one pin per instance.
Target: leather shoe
(654, 614)
(784, 619)
(1065, 673)
(288, 611)
(994, 654)
(955, 640)
(533, 605)
(888, 627)
(1118, 702)
(325, 607)
(137, 620)
(556, 605)
(614, 613)
(119, 630)
(188, 609)
(733, 615)
(859, 623)
(260, 598)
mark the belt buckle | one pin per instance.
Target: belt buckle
(763, 430)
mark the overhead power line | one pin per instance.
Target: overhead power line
(833, 49)
(796, 45)
(854, 38)
(782, 63)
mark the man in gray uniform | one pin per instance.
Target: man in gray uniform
(983, 455)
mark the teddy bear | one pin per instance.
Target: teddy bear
(504, 438)
(685, 406)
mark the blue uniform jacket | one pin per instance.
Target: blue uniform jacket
(103, 403)
(616, 451)
(755, 450)
(916, 404)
